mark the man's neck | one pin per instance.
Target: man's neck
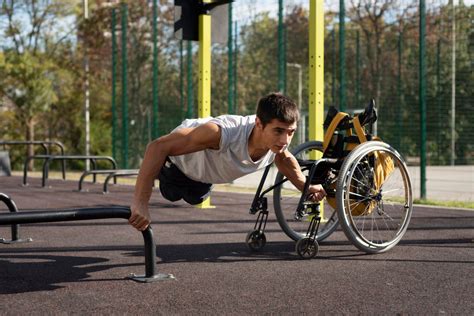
(255, 148)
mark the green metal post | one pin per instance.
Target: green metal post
(181, 80)
(230, 70)
(342, 56)
(438, 97)
(124, 89)
(114, 79)
(285, 40)
(189, 64)
(281, 70)
(422, 96)
(155, 132)
(399, 92)
(333, 59)
(358, 69)
(235, 69)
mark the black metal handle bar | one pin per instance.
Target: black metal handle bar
(43, 144)
(93, 159)
(95, 172)
(34, 142)
(119, 173)
(90, 214)
(12, 208)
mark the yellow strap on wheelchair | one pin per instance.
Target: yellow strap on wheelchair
(384, 165)
(332, 127)
(359, 130)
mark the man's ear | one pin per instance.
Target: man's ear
(258, 123)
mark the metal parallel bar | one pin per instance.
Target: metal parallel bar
(64, 215)
(45, 148)
(91, 214)
(45, 171)
(34, 142)
(49, 159)
(25, 166)
(94, 167)
(115, 172)
(41, 143)
(115, 175)
(89, 172)
(12, 208)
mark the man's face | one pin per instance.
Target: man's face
(277, 135)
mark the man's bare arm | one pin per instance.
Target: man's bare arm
(183, 141)
(289, 167)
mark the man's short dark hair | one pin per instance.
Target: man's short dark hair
(277, 106)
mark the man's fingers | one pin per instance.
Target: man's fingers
(143, 226)
(140, 223)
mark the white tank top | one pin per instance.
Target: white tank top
(231, 160)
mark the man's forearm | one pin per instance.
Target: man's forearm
(151, 166)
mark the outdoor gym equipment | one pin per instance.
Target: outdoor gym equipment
(43, 143)
(112, 173)
(15, 218)
(15, 227)
(374, 214)
(49, 158)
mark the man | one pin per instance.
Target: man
(202, 152)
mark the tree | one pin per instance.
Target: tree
(29, 46)
(27, 84)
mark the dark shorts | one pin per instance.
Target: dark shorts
(175, 185)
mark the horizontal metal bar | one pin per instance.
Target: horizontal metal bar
(115, 175)
(64, 215)
(69, 157)
(90, 214)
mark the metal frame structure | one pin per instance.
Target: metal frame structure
(94, 173)
(49, 158)
(15, 227)
(14, 218)
(119, 173)
(111, 173)
(44, 144)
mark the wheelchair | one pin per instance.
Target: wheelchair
(373, 214)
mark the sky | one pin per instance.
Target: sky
(241, 10)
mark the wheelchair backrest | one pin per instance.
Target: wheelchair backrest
(339, 138)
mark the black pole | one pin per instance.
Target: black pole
(12, 208)
(90, 214)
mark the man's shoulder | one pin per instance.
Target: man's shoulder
(229, 120)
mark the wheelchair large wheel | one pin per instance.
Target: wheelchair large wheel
(286, 198)
(374, 197)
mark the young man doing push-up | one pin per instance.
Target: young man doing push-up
(207, 151)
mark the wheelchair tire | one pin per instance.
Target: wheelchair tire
(386, 211)
(307, 248)
(256, 240)
(286, 198)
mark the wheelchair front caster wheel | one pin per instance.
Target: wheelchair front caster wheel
(256, 240)
(307, 248)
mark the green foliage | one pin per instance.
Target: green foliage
(27, 83)
(42, 77)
